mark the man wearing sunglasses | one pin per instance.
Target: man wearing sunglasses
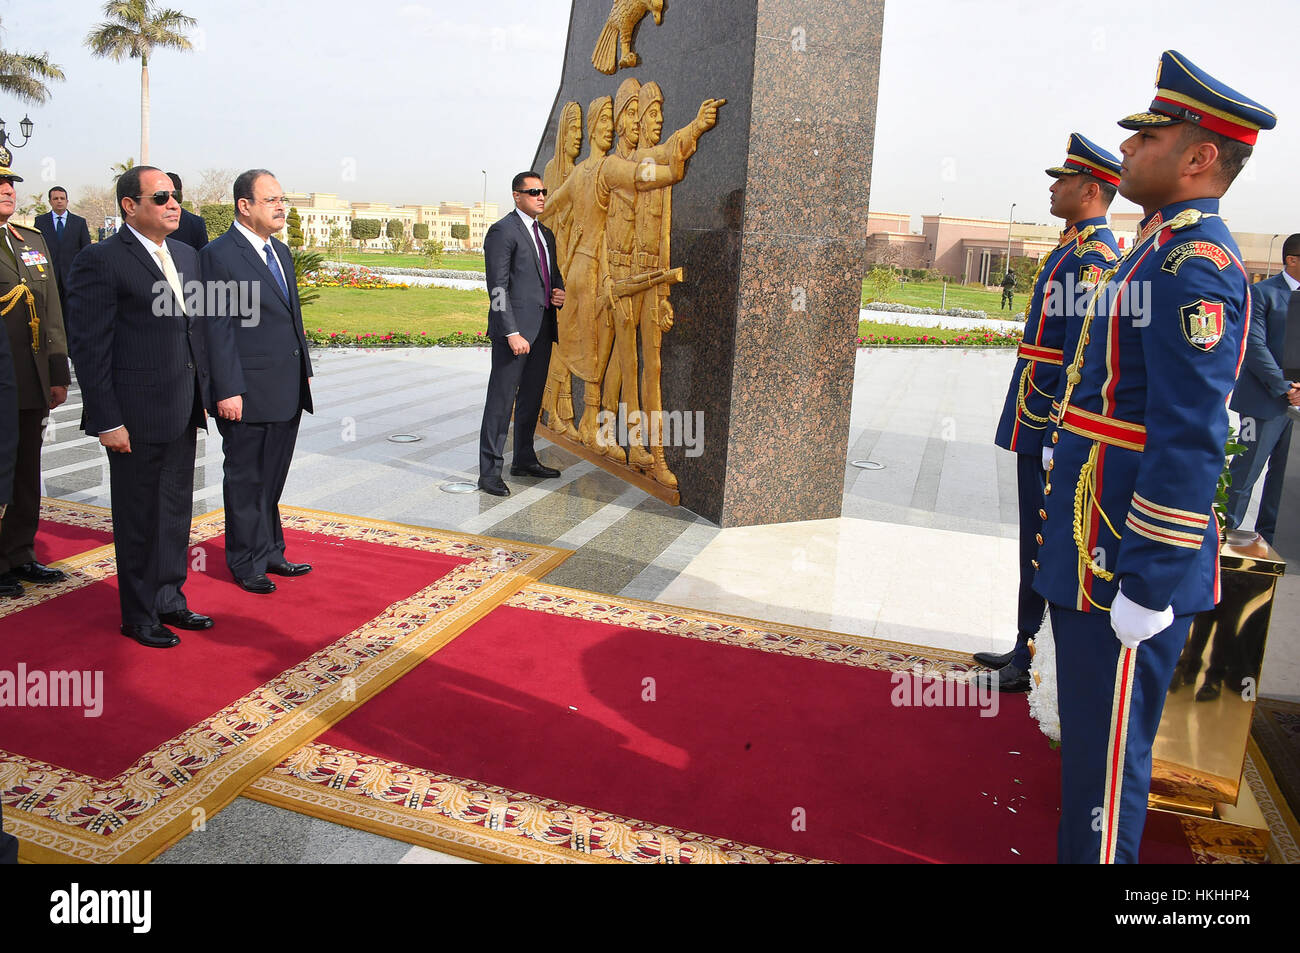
(526, 289)
(139, 344)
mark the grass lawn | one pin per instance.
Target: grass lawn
(440, 311)
(459, 261)
(924, 294)
(436, 311)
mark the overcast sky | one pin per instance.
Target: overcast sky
(406, 102)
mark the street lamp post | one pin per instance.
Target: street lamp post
(1010, 216)
(1268, 271)
(6, 157)
(483, 210)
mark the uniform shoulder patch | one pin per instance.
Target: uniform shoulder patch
(1101, 248)
(1090, 275)
(1199, 249)
(1202, 323)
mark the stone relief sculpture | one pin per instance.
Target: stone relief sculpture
(612, 218)
(622, 22)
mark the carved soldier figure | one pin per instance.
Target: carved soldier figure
(568, 143)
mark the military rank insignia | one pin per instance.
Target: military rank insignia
(1202, 323)
(1090, 275)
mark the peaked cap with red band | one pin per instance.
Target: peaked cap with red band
(1086, 157)
(1185, 93)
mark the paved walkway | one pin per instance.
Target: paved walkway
(924, 550)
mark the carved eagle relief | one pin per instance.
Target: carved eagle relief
(623, 18)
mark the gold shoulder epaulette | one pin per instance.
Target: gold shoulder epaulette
(1188, 217)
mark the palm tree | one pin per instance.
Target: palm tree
(23, 75)
(133, 29)
(120, 168)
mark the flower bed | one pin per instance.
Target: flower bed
(913, 309)
(348, 276)
(322, 338)
(960, 339)
(416, 272)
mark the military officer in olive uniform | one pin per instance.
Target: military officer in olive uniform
(1130, 549)
(1084, 187)
(33, 317)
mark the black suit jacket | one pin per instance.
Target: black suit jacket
(193, 230)
(517, 299)
(262, 356)
(76, 236)
(141, 360)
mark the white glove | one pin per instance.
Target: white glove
(1047, 456)
(1134, 624)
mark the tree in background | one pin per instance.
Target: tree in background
(95, 205)
(334, 243)
(23, 75)
(294, 224)
(35, 205)
(460, 230)
(120, 168)
(433, 250)
(420, 231)
(133, 30)
(218, 217)
(305, 262)
(215, 186)
(365, 229)
(880, 281)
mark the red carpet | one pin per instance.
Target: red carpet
(795, 748)
(178, 731)
(151, 695)
(65, 530)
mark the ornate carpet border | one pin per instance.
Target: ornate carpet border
(60, 815)
(483, 822)
(480, 821)
(85, 515)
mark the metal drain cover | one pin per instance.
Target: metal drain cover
(458, 487)
(868, 465)
(405, 438)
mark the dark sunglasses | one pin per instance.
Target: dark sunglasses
(160, 198)
(533, 192)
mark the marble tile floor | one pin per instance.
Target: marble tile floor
(938, 519)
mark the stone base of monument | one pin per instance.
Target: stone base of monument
(1200, 749)
(642, 481)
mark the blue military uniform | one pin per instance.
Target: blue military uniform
(1138, 450)
(1052, 320)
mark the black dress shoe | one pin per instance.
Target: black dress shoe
(152, 636)
(10, 586)
(494, 485)
(1008, 679)
(535, 470)
(259, 584)
(36, 573)
(289, 569)
(185, 619)
(989, 660)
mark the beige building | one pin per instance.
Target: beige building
(322, 211)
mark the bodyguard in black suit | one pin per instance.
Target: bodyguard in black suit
(33, 323)
(193, 231)
(65, 235)
(261, 377)
(525, 289)
(139, 345)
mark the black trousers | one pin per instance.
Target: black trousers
(516, 382)
(152, 490)
(256, 467)
(18, 529)
(1031, 607)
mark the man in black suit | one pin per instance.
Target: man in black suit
(193, 230)
(8, 451)
(33, 323)
(261, 377)
(139, 344)
(526, 289)
(65, 235)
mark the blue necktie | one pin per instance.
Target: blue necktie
(274, 265)
(58, 227)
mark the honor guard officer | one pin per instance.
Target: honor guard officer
(33, 321)
(1084, 187)
(1130, 549)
